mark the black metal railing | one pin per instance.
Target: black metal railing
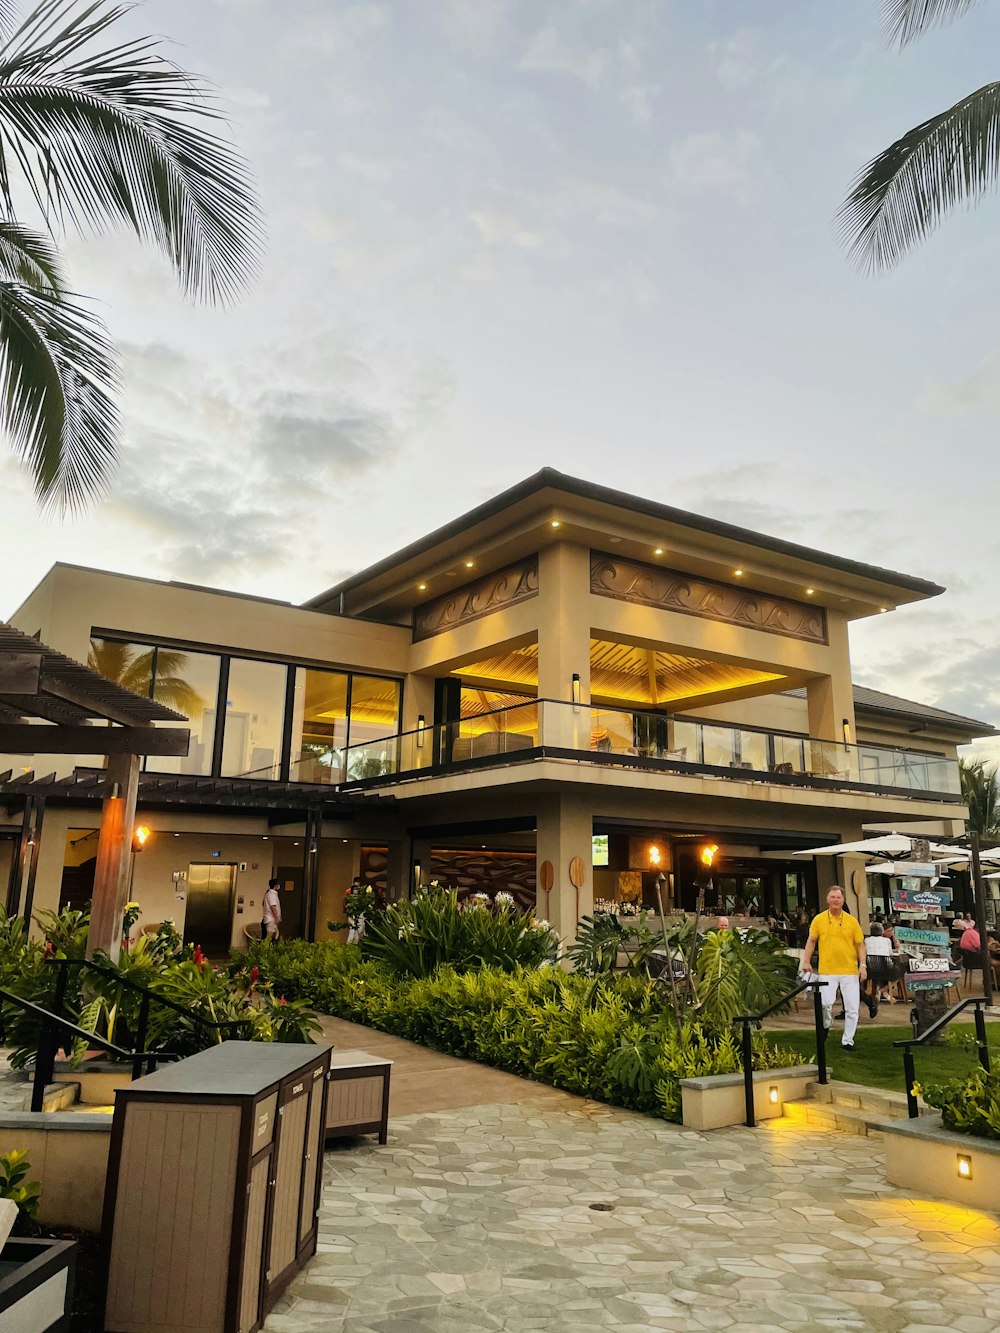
(53, 1026)
(750, 1021)
(149, 996)
(909, 1069)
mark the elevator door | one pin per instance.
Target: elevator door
(208, 920)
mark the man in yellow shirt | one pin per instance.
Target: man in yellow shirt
(842, 961)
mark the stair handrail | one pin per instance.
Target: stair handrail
(746, 1040)
(218, 1025)
(45, 1055)
(983, 1050)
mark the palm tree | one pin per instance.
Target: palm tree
(102, 135)
(134, 670)
(950, 159)
(981, 793)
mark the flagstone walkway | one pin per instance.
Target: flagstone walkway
(483, 1217)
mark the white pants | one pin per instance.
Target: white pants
(850, 994)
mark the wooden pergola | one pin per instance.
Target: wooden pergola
(50, 704)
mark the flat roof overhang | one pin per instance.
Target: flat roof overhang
(519, 522)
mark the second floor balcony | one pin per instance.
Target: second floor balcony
(627, 738)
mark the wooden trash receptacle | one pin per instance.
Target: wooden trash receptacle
(213, 1188)
(357, 1101)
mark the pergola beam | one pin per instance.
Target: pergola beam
(24, 738)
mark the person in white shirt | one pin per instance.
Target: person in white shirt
(270, 926)
(880, 972)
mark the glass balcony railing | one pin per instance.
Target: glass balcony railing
(609, 734)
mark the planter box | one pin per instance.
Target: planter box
(718, 1100)
(36, 1285)
(357, 1098)
(921, 1156)
(68, 1152)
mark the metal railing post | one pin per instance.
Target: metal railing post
(910, 1076)
(140, 1037)
(984, 1050)
(747, 1043)
(821, 1076)
(45, 1063)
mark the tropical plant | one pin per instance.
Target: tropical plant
(25, 1194)
(981, 793)
(970, 1105)
(600, 939)
(417, 936)
(950, 159)
(99, 132)
(741, 972)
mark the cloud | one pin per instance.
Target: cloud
(548, 53)
(496, 227)
(474, 25)
(715, 161)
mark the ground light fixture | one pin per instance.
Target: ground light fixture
(963, 1163)
(772, 1096)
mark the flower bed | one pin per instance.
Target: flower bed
(609, 1039)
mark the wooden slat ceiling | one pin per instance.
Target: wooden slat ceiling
(621, 672)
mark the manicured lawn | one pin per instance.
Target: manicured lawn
(874, 1060)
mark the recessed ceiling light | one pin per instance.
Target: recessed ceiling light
(738, 573)
(883, 609)
(421, 587)
(810, 591)
(554, 523)
(615, 541)
(658, 551)
(470, 564)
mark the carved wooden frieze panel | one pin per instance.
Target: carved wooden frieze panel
(516, 583)
(649, 585)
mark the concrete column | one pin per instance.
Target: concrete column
(830, 701)
(398, 869)
(565, 827)
(564, 644)
(418, 701)
(114, 856)
(422, 851)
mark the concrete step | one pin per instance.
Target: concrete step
(827, 1115)
(58, 1097)
(859, 1097)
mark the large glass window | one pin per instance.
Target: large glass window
(255, 710)
(374, 708)
(189, 683)
(127, 664)
(319, 726)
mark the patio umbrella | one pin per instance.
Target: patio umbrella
(886, 844)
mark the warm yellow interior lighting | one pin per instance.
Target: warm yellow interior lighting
(470, 564)
(654, 854)
(658, 551)
(554, 523)
(810, 591)
(738, 573)
(708, 854)
(965, 1166)
(883, 609)
(421, 587)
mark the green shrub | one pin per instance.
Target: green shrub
(969, 1105)
(609, 1039)
(415, 937)
(14, 1167)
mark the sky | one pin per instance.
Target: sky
(597, 235)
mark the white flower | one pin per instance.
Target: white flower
(504, 900)
(541, 924)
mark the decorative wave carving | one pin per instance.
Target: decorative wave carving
(516, 583)
(649, 585)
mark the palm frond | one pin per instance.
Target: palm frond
(123, 136)
(906, 20)
(29, 258)
(58, 384)
(902, 195)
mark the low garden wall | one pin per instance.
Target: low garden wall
(720, 1100)
(68, 1152)
(923, 1157)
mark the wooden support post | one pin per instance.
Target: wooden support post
(33, 849)
(114, 856)
(19, 859)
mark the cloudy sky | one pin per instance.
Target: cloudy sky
(592, 234)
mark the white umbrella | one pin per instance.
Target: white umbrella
(887, 844)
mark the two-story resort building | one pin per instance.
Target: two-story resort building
(566, 675)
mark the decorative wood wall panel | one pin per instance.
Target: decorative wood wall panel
(516, 583)
(649, 585)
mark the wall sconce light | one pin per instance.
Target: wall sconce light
(116, 790)
(847, 731)
(421, 726)
(575, 688)
(772, 1096)
(964, 1165)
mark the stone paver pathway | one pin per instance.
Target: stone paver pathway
(481, 1218)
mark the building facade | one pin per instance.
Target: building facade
(565, 675)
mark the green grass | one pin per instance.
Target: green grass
(874, 1060)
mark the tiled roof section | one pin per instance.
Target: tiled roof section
(879, 702)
